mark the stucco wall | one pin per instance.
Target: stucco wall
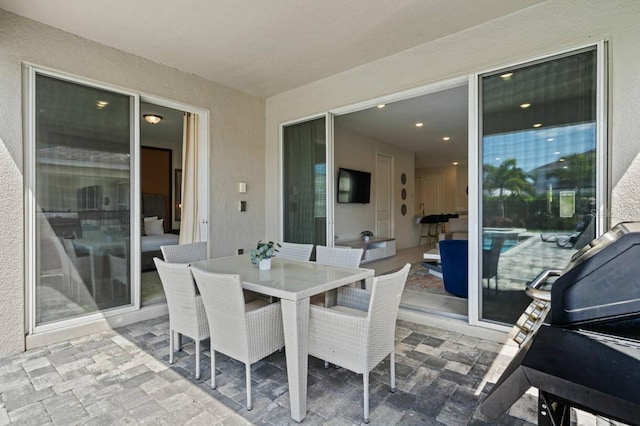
(541, 30)
(356, 151)
(236, 141)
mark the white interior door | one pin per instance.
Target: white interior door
(384, 195)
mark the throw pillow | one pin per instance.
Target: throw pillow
(154, 227)
(145, 220)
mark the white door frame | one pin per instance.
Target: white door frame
(203, 155)
(100, 320)
(475, 170)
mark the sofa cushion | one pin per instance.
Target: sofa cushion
(457, 229)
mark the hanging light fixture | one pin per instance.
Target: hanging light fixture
(152, 118)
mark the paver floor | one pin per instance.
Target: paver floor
(122, 376)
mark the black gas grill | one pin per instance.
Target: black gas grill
(586, 353)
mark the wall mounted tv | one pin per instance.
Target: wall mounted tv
(354, 186)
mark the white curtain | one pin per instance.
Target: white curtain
(190, 223)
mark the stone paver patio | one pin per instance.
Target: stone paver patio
(123, 377)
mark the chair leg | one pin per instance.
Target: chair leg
(170, 346)
(248, 379)
(213, 369)
(197, 359)
(365, 385)
(392, 370)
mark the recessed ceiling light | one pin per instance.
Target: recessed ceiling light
(525, 105)
(419, 124)
(152, 118)
(565, 167)
(537, 125)
(381, 106)
(561, 160)
(549, 139)
(455, 163)
(446, 138)
(506, 75)
(497, 158)
(101, 104)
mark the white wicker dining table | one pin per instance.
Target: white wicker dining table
(293, 282)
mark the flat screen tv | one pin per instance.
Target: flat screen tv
(354, 186)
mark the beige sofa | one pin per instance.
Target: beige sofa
(456, 229)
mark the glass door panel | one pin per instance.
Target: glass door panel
(539, 135)
(305, 182)
(82, 194)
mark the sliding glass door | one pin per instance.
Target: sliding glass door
(304, 150)
(539, 190)
(80, 196)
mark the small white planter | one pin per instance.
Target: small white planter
(366, 238)
(265, 264)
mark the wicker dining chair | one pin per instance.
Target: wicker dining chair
(338, 256)
(359, 332)
(335, 256)
(294, 251)
(243, 331)
(186, 310)
(185, 253)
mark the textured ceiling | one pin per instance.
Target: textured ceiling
(268, 47)
(264, 47)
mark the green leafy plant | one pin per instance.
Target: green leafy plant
(264, 250)
(366, 234)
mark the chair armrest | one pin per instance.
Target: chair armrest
(354, 298)
(338, 337)
(265, 332)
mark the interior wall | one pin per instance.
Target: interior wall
(455, 186)
(358, 152)
(540, 30)
(176, 163)
(236, 139)
(155, 176)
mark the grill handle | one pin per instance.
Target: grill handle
(533, 288)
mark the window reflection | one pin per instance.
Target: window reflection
(539, 174)
(82, 193)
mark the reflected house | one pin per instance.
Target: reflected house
(572, 172)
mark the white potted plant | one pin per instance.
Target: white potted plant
(366, 235)
(262, 254)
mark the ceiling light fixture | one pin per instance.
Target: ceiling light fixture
(152, 118)
(419, 124)
(455, 163)
(446, 138)
(561, 160)
(537, 125)
(381, 106)
(101, 104)
(549, 139)
(506, 76)
(525, 105)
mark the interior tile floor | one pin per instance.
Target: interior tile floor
(450, 306)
